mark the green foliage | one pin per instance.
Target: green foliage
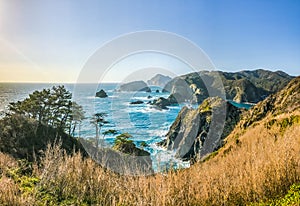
(209, 156)
(45, 116)
(23, 177)
(125, 145)
(122, 139)
(283, 123)
(98, 120)
(51, 107)
(28, 183)
(77, 116)
(291, 198)
(205, 106)
(24, 138)
(110, 132)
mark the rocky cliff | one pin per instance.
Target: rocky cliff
(245, 86)
(283, 102)
(197, 132)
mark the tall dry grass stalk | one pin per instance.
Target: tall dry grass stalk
(260, 166)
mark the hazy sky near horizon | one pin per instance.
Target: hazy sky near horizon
(51, 40)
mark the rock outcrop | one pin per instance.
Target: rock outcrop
(135, 86)
(159, 80)
(197, 132)
(245, 86)
(137, 102)
(126, 159)
(136, 158)
(101, 94)
(161, 103)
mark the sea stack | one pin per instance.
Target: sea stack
(101, 94)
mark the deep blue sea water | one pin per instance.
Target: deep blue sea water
(142, 121)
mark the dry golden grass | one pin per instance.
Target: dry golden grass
(260, 166)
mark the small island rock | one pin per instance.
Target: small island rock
(161, 103)
(101, 94)
(159, 80)
(135, 86)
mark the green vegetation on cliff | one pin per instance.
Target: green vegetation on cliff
(198, 132)
(44, 117)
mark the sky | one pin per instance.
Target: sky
(52, 40)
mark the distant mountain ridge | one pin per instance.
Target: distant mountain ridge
(244, 86)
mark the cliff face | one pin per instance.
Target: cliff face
(285, 101)
(197, 132)
(159, 80)
(244, 86)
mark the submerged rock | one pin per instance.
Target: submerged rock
(101, 94)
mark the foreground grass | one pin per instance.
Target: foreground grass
(261, 168)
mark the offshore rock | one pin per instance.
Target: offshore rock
(161, 103)
(135, 86)
(101, 94)
(159, 80)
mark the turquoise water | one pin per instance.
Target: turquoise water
(241, 105)
(142, 121)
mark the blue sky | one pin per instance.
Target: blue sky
(51, 40)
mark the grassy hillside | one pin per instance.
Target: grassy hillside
(261, 167)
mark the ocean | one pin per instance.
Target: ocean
(144, 123)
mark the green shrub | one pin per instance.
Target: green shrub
(291, 198)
